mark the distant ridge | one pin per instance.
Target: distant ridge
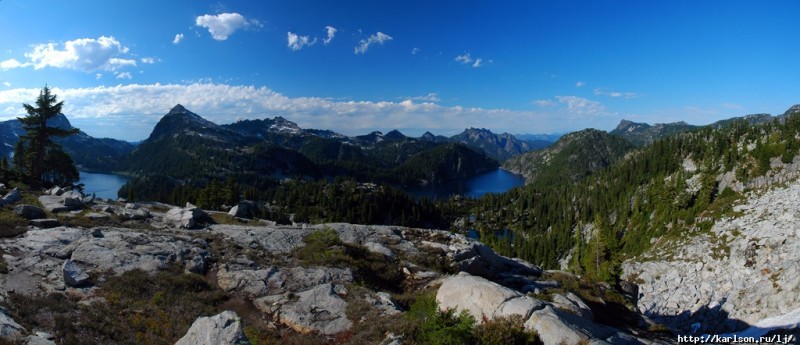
(642, 133)
(88, 153)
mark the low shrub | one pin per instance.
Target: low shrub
(324, 248)
(425, 324)
(505, 331)
(140, 309)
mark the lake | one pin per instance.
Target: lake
(103, 185)
(495, 181)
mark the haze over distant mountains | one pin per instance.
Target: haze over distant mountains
(99, 154)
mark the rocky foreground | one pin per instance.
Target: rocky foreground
(255, 264)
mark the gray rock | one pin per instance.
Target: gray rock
(8, 327)
(272, 240)
(55, 204)
(384, 303)
(56, 191)
(274, 280)
(13, 196)
(74, 275)
(557, 327)
(40, 338)
(185, 218)
(318, 309)
(121, 250)
(222, 329)
(136, 214)
(379, 248)
(245, 209)
(97, 216)
(482, 298)
(46, 223)
(484, 262)
(72, 199)
(196, 264)
(573, 304)
(29, 211)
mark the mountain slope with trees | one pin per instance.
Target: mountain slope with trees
(574, 156)
(666, 188)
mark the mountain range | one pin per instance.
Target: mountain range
(193, 146)
(184, 145)
(89, 153)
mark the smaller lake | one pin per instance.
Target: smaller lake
(102, 185)
(495, 181)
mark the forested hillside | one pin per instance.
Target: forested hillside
(664, 189)
(574, 156)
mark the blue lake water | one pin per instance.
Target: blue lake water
(103, 185)
(495, 181)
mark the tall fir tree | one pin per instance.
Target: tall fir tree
(40, 159)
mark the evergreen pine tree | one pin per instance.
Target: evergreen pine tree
(37, 143)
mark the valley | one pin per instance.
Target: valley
(642, 206)
(691, 203)
(399, 172)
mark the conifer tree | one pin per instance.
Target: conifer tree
(37, 146)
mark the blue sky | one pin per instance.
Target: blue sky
(358, 66)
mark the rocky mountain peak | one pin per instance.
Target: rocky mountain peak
(177, 109)
(629, 126)
(395, 135)
(180, 119)
(280, 124)
(793, 109)
(59, 121)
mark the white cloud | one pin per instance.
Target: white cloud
(430, 97)
(580, 84)
(7, 84)
(13, 63)
(331, 31)
(544, 103)
(378, 38)
(582, 106)
(148, 60)
(98, 75)
(415, 50)
(222, 25)
(467, 59)
(615, 94)
(296, 42)
(86, 54)
(124, 75)
(131, 111)
(178, 38)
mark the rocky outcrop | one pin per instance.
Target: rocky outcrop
(483, 299)
(29, 211)
(275, 280)
(9, 329)
(11, 197)
(318, 309)
(244, 209)
(253, 264)
(184, 217)
(566, 320)
(222, 329)
(40, 262)
(74, 275)
(58, 200)
(742, 270)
